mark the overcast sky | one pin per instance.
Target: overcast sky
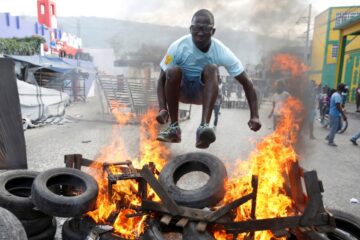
(274, 17)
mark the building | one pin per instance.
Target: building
(349, 54)
(57, 42)
(325, 48)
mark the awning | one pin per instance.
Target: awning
(55, 64)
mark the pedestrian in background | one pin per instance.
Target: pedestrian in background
(358, 98)
(344, 95)
(278, 100)
(217, 107)
(355, 138)
(310, 105)
(335, 113)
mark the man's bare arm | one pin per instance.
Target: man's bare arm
(251, 97)
(341, 110)
(161, 91)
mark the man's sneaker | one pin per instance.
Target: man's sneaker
(353, 141)
(171, 134)
(205, 135)
(332, 144)
(162, 116)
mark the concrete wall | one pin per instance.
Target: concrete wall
(15, 26)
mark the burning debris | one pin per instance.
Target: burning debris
(257, 205)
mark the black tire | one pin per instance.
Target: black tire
(48, 233)
(344, 125)
(37, 225)
(10, 226)
(345, 222)
(64, 206)
(209, 194)
(15, 193)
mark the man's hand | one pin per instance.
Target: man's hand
(344, 117)
(254, 124)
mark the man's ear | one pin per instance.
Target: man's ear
(213, 31)
(190, 29)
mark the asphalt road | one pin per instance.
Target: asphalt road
(89, 131)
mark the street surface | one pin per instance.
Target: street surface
(90, 130)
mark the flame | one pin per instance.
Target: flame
(287, 62)
(124, 191)
(269, 162)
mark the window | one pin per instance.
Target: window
(42, 9)
(52, 9)
(343, 17)
(334, 52)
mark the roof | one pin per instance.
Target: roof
(55, 64)
(348, 23)
(52, 63)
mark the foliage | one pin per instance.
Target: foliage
(21, 46)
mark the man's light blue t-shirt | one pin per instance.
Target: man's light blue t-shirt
(335, 98)
(191, 60)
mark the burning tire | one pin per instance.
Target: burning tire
(207, 195)
(79, 200)
(10, 226)
(15, 192)
(347, 226)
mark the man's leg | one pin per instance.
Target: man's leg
(204, 134)
(355, 138)
(216, 114)
(211, 90)
(334, 126)
(172, 91)
(172, 95)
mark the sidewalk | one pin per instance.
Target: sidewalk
(351, 110)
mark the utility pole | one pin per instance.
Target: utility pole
(307, 44)
(307, 38)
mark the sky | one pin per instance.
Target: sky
(272, 17)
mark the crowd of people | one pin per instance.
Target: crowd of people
(329, 102)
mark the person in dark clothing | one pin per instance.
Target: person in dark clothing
(217, 107)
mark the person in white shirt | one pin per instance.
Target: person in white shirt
(278, 100)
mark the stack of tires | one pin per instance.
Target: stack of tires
(15, 192)
(36, 198)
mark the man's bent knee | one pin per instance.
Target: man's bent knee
(211, 69)
(174, 74)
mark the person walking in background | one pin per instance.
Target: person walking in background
(278, 100)
(310, 102)
(323, 103)
(217, 107)
(344, 95)
(358, 98)
(355, 138)
(335, 113)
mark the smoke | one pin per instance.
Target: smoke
(272, 15)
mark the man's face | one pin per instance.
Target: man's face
(201, 31)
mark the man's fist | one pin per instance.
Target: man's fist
(254, 124)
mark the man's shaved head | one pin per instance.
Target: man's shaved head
(204, 12)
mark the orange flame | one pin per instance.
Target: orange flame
(125, 191)
(269, 162)
(287, 62)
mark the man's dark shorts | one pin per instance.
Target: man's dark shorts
(191, 89)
